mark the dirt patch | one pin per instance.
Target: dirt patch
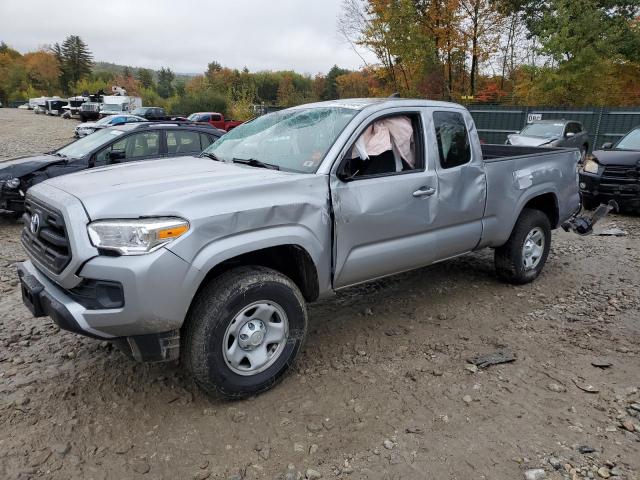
(382, 389)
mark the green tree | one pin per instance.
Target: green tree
(145, 77)
(165, 82)
(330, 91)
(75, 61)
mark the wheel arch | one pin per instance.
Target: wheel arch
(548, 204)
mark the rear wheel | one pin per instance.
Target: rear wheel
(244, 331)
(523, 257)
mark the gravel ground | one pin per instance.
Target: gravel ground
(23, 133)
(382, 390)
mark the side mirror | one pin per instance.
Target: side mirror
(115, 156)
(344, 172)
(570, 134)
(607, 146)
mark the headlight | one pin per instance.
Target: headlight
(590, 165)
(12, 182)
(136, 237)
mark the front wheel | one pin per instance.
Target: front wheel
(523, 257)
(244, 331)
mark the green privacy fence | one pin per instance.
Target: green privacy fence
(604, 124)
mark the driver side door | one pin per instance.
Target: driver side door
(137, 146)
(382, 218)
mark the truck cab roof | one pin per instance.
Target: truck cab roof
(379, 103)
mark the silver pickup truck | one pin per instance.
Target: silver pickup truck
(212, 259)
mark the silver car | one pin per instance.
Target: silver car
(552, 133)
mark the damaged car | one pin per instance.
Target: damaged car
(122, 143)
(552, 133)
(613, 173)
(213, 259)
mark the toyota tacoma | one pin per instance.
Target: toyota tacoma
(213, 259)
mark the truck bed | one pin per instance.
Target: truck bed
(495, 152)
(514, 174)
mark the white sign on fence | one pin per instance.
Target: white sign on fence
(534, 117)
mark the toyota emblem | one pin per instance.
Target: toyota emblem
(34, 225)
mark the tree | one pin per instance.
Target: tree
(145, 77)
(330, 91)
(165, 82)
(42, 71)
(286, 91)
(353, 85)
(74, 60)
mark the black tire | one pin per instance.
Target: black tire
(509, 258)
(215, 308)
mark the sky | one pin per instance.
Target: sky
(186, 35)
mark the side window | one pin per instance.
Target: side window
(216, 118)
(142, 145)
(206, 140)
(453, 139)
(388, 145)
(183, 142)
(101, 157)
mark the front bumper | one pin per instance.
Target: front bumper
(45, 299)
(11, 200)
(596, 187)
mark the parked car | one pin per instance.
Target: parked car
(613, 173)
(123, 143)
(552, 133)
(215, 119)
(214, 258)
(151, 113)
(88, 128)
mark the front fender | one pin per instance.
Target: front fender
(226, 248)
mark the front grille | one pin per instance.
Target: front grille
(620, 173)
(46, 240)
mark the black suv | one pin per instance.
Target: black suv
(613, 173)
(123, 143)
(151, 113)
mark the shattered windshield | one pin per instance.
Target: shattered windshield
(631, 141)
(543, 130)
(294, 140)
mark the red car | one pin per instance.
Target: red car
(215, 119)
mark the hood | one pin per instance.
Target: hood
(524, 141)
(86, 125)
(21, 166)
(618, 157)
(181, 186)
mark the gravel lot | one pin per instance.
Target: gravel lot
(382, 390)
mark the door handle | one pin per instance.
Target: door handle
(424, 192)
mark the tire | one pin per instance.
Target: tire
(510, 258)
(256, 304)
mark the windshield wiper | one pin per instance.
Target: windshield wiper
(212, 156)
(252, 162)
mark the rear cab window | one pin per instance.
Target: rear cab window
(454, 147)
